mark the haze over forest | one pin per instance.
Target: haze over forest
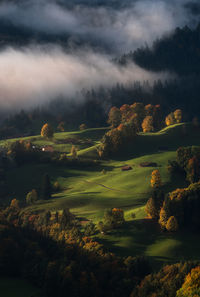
(54, 49)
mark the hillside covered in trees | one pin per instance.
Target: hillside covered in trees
(99, 148)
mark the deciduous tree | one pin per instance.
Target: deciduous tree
(47, 131)
(147, 124)
(172, 224)
(156, 179)
(151, 208)
(178, 115)
(114, 117)
(170, 119)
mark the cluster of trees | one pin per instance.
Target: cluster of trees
(50, 250)
(188, 162)
(174, 117)
(113, 218)
(126, 122)
(115, 139)
(95, 106)
(178, 208)
(143, 118)
(181, 208)
(154, 203)
(178, 280)
(191, 285)
(22, 152)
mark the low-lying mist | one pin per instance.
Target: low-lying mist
(35, 75)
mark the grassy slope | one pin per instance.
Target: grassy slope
(12, 287)
(128, 190)
(94, 134)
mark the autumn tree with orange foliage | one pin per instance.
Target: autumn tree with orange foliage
(174, 117)
(172, 224)
(147, 124)
(163, 218)
(114, 117)
(170, 119)
(178, 115)
(150, 209)
(138, 108)
(126, 112)
(156, 179)
(191, 286)
(184, 205)
(47, 131)
(111, 142)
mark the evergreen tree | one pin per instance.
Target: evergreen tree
(46, 189)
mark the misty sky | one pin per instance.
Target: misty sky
(34, 73)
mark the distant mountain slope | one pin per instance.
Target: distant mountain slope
(179, 52)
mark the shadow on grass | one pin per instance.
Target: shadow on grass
(176, 181)
(182, 135)
(137, 237)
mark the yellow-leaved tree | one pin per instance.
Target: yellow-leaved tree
(191, 286)
(172, 224)
(147, 124)
(47, 131)
(156, 179)
(178, 115)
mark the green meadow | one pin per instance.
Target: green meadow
(89, 191)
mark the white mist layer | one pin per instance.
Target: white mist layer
(34, 76)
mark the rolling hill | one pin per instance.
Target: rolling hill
(89, 191)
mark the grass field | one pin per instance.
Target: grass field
(88, 192)
(14, 287)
